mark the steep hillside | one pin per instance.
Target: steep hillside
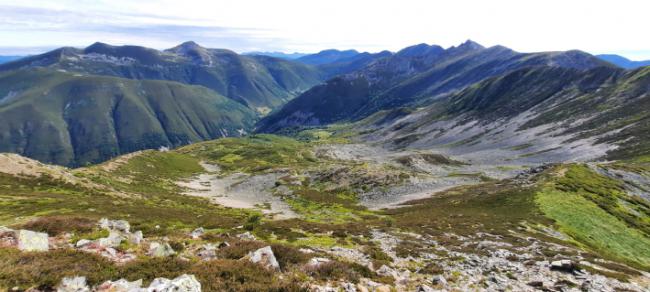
(73, 119)
(416, 76)
(259, 82)
(538, 114)
(623, 62)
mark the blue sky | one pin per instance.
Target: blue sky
(597, 26)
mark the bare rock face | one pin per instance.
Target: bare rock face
(73, 284)
(265, 257)
(183, 283)
(32, 241)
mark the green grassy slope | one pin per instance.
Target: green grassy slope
(68, 119)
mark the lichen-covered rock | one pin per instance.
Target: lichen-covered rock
(265, 257)
(32, 241)
(183, 283)
(73, 284)
(157, 249)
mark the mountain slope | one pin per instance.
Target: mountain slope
(70, 119)
(262, 83)
(623, 62)
(415, 76)
(537, 114)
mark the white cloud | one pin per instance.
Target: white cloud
(596, 26)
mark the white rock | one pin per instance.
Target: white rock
(135, 237)
(348, 287)
(73, 284)
(184, 283)
(32, 241)
(314, 262)
(157, 249)
(196, 233)
(83, 242)
(121, 285)
(119, 225)
(246, 236)
(265, 257)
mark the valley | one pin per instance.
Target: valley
(429, 169)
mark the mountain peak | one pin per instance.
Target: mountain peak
(420, 50)
(472, 45)
(188, 46)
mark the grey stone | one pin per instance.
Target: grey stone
(32, 241)
(183, 283)
(196, 233)
(121, 285)
(157, 249)
(265, 257)
(439, 280)
(73, 284)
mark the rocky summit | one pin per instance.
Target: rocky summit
(467, 168)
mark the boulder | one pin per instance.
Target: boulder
(183, 283)
(207, 252)
(196, 233)
(265, 257)
(73, 284)
(387, 271)
(246, 236)
(439, 280)
(121, 285)
(348, 287)
(157, 249)
(32, 241)
(315, 262)
(424, 288)
(563, 265)
(83, 242)
(118, 225)
(114, 239)
(135, 237)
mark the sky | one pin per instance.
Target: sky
(595, 26)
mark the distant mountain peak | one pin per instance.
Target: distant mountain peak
(471, 45)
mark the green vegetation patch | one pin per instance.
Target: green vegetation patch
(589, 224)
(254, 153)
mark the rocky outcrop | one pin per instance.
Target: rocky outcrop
(183, 283)
(157, 249)
(265, 257)
(73, 284)
(24, 240)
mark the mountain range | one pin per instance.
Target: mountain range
(467, 168)
(623, 62)
(69, 98)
